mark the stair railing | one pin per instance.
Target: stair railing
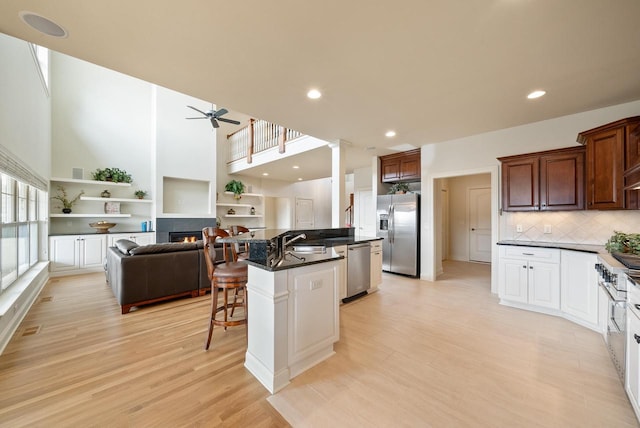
(256, 137)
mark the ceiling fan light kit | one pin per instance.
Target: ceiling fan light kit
(214, 116)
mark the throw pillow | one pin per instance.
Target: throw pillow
(125, 246)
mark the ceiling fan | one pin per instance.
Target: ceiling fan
(214, 116)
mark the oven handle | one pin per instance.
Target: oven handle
(609, 293)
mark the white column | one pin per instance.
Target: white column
(338, 202)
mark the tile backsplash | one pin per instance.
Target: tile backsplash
(579, 227)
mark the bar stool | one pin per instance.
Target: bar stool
(229, 276)
(238, 230)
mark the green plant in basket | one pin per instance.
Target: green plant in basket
(115, 175)
(621, 242)
(235, 186)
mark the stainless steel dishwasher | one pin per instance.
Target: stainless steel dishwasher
(358, 270)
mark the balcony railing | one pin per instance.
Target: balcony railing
(257, 137)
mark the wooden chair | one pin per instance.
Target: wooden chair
(238, 230)
(228, 276)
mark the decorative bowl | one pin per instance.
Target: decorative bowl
(102, 226)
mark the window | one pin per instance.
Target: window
(19, 246)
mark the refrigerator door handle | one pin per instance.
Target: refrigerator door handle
(391, 231)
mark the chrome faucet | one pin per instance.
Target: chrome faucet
(286, 243)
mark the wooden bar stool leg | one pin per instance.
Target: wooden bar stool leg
(214, 309)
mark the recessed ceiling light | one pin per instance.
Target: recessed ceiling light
(390, 134)
(536, 94)
(314, 94)
(42, 24)
(299, 178)
(296, 167)
(265, 173)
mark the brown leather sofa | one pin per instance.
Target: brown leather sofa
(140, 275)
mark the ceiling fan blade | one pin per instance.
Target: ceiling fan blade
(222, 119)
(214, 123)
(199, 111)
(220, 112)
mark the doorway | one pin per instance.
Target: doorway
(464, 220)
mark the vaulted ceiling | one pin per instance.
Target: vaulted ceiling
(430, 70)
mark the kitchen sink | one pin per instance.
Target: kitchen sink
(309, 249)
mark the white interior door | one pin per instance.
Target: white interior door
(304, 213)
(365, 214)
(480, 225)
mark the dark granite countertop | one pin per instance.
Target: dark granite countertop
(585, 248)
(290, 262)
(263, 243)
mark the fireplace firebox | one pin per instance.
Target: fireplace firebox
(189, 236)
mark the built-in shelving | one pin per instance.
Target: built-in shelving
(89, 215)
(243, 215)
(234, 205)
(94, 182)
(134, 200)
(257, 195)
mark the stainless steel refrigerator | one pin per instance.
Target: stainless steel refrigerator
(398, 223)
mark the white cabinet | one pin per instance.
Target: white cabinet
(530, 276)
(140, 238)
(77, 253)
(376, 265)
(632, 374)
(341, 250)
(579, 285)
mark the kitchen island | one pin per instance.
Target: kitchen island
(293, 304)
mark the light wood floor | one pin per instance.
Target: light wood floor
(441, 354)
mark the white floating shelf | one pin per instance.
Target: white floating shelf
(96, 198)
(89, 215)
(243, 215)
(258, 195)
(235, 205)
(95, 182)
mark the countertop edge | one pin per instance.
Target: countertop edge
(585, 248)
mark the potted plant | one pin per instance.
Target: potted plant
(398, 188)
(621, 242)
(116, 175)
(64, 198)
(235, 186)
(140, 194)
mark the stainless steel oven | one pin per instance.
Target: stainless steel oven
(613, 280)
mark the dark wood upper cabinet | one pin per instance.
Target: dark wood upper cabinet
(613, 164)
(562, 180)
(544, 181)
(403, 166)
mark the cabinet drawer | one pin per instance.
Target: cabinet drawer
(375, 246)
(550, 255)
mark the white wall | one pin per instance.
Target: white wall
(25, 124)
(184, 149)
(478, 153)
(102, 118)
(25, 108)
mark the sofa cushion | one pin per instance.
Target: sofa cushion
(125, 246)
(167, 247)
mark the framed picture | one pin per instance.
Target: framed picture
(112, 207)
